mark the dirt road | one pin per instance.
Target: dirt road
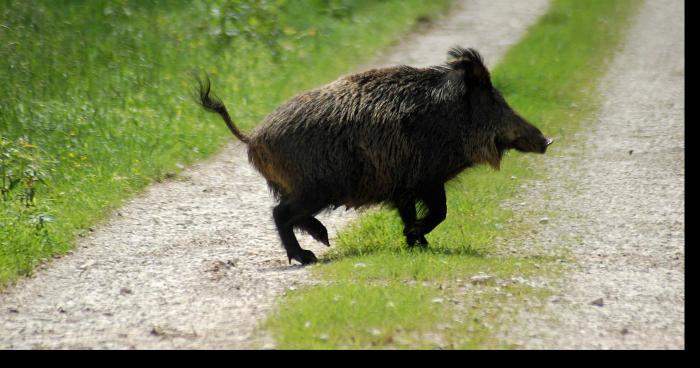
(618, 204)
(195, 262)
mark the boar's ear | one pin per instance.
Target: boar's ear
(469, 63)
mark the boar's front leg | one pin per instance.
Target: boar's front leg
(435, 201)
(407, 212)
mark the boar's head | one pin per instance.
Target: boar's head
(514, 132)
(490, 112)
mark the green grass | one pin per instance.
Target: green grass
(550, 77)
(97, 101)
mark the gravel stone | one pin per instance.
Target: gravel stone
(481, 279)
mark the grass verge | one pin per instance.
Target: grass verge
(377, 294)
(96, 99)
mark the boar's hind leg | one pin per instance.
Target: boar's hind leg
(435, 201)
(407, 212)
(315, 228)
(288, 213)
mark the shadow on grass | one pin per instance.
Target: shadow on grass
(355, 250)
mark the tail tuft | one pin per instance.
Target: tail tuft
(209, 102)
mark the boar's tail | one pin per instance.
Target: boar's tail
(213, 104)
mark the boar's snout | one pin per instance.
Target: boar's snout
(541, 146)
(518, 133)
(531, 139)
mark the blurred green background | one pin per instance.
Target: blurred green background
(96, 98)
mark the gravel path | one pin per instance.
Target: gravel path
(619, 205)
(196, 262)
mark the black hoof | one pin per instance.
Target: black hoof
(323, 238)
(414, 239)
(304, 257)
(316, 229)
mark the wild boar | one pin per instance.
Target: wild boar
(392, 135)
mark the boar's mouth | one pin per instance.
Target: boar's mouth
(529, 145)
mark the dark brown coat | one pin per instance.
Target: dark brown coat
(392, 135)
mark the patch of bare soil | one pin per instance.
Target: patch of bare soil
(618, 206)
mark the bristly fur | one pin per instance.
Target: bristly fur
(469, 54)
(393, 135)
(390, 130)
